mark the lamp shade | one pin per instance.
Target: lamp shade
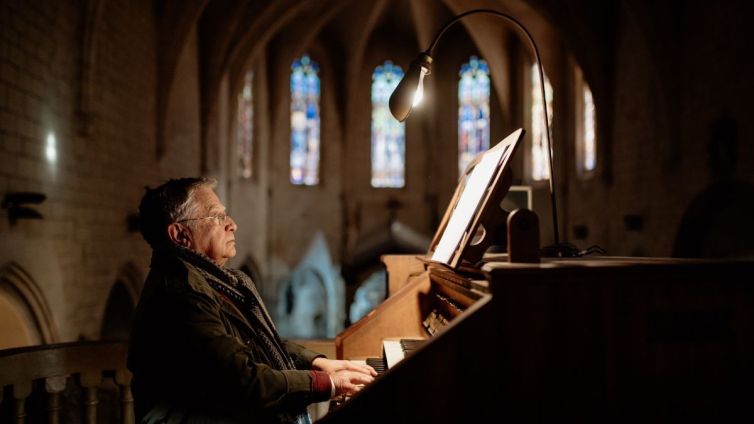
(408, 92)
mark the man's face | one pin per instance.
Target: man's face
(215, 239)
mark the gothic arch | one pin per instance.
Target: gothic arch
(24, 303)
(304, 303)
(121, 302)
(363, 263)
(92, 18)
(131, 278)
(175, 20)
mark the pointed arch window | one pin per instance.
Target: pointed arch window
(388, 135)
(305, 92)
(586, 127)
(473, 111)
(245, 127)
(540, 165)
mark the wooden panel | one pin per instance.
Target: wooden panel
(400, 315)
(399, 269)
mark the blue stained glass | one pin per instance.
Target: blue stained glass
(388, 135)
(304, 122)
(473, 111)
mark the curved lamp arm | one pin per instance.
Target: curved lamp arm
(408, 93)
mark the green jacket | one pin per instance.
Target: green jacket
(194, 356)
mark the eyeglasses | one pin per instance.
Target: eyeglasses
(222, 218)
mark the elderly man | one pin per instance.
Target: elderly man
(203, 347)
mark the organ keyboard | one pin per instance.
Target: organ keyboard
(393, 351)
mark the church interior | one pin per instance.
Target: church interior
(284, 103)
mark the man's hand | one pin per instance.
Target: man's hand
(349, 382)
(347, 376)
(332, 366)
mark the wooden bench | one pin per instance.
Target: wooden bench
(88, 364)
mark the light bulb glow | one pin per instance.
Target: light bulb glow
(51, 149)
(419, 94)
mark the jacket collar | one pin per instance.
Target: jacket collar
(226, 303)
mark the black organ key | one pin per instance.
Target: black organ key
(410, 345)
(378, 364)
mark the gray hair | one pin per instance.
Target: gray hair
(168, 203)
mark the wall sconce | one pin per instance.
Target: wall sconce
(14, 203)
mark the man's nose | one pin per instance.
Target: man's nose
(232, 226)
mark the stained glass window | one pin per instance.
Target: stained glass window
(245, 127)
(540, 166)
(589, 150)
(473, 111)
(388, 135)
(304, 121)
(586, 127)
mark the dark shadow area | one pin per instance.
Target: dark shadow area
(719, 222)
(116, 324)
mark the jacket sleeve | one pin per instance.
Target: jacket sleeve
(226, 363)
(302, 357)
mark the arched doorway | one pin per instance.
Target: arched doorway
(25, 318)
(121, 302)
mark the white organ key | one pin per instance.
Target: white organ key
(393, 352)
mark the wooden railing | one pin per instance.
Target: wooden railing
(50, 368)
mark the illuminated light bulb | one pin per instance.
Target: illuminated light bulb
(51, 150)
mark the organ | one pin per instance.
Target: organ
(603, 339)
(586, 339)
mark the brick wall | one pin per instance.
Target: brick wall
(98, 176)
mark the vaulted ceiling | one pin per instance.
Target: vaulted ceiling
(232, 33)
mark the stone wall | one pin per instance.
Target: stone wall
(92, 176)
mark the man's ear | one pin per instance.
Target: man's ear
(178, 234)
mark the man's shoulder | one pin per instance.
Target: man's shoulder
(182, 276)
(197, 281)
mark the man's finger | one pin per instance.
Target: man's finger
(360, 378)
(352, 388)
(362, 368)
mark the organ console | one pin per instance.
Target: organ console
(588, 339)
(605, 339)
